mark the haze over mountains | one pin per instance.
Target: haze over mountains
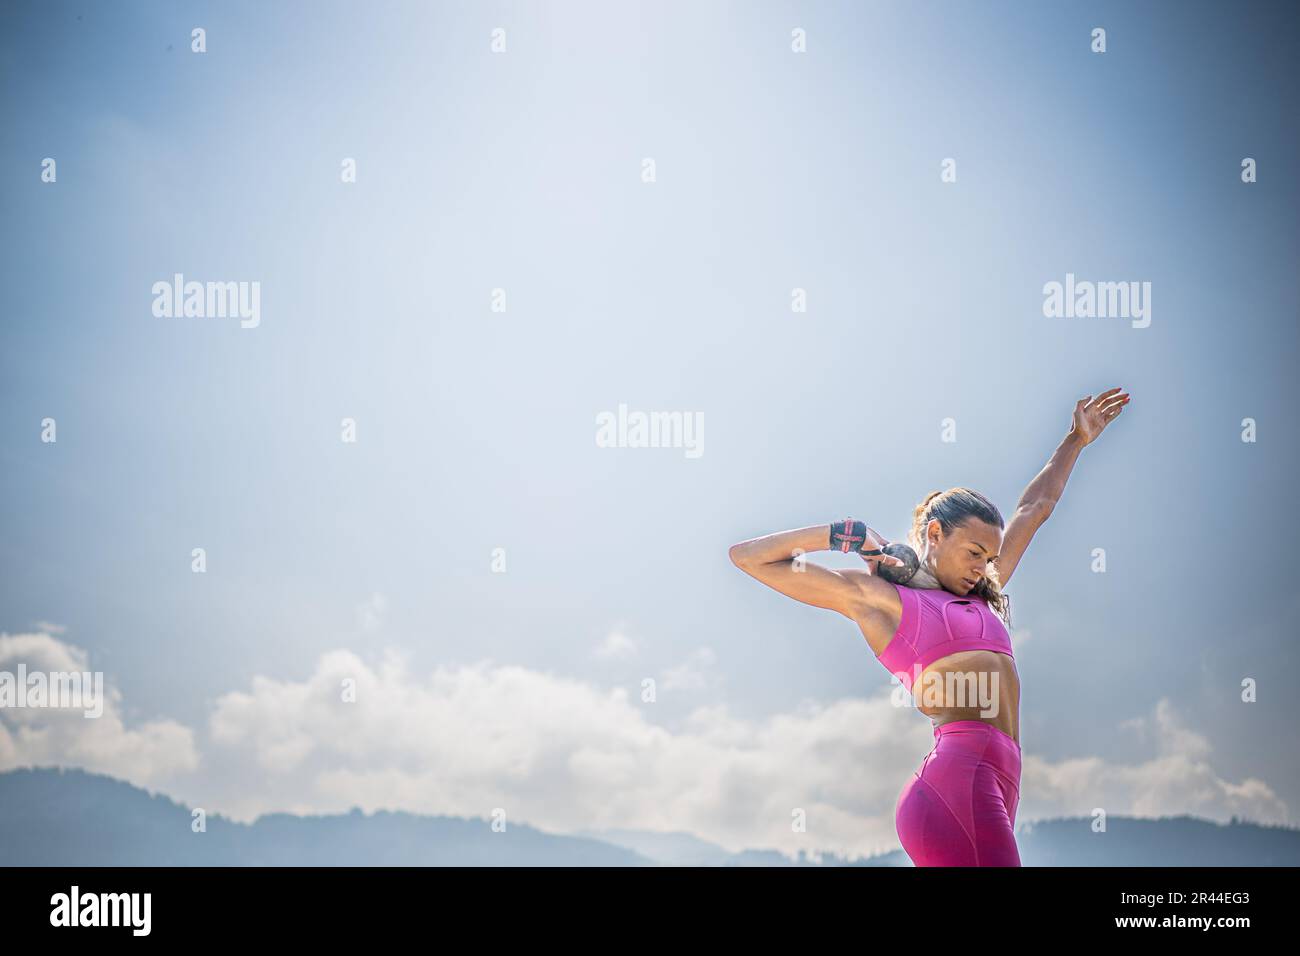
(58, 817)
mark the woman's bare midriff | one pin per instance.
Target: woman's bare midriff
(958, 686)
(948, 683)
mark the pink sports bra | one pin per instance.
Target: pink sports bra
(936, 623)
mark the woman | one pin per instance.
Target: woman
(948, 645)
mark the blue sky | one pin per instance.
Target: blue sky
(522, 170)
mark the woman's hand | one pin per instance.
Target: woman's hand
(873, 560)
(1092, 415)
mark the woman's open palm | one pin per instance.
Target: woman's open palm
(1091, 415)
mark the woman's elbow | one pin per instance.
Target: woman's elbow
(740, 554)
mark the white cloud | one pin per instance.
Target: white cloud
(1178, 779)
(145, 754)
(615, 645)
(370, 613)
(564, 755)
(691, 674)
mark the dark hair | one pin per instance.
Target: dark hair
(952, 508)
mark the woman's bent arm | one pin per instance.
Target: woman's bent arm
(777, 561)
(781, 546)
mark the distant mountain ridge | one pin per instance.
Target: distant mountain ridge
(68, 817)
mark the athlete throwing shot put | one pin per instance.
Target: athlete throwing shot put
(935, 616)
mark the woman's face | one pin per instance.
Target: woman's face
(960, 559)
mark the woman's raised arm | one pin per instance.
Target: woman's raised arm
(1091, 416)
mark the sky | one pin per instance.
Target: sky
(563, 208)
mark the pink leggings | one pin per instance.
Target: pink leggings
(959, 809)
